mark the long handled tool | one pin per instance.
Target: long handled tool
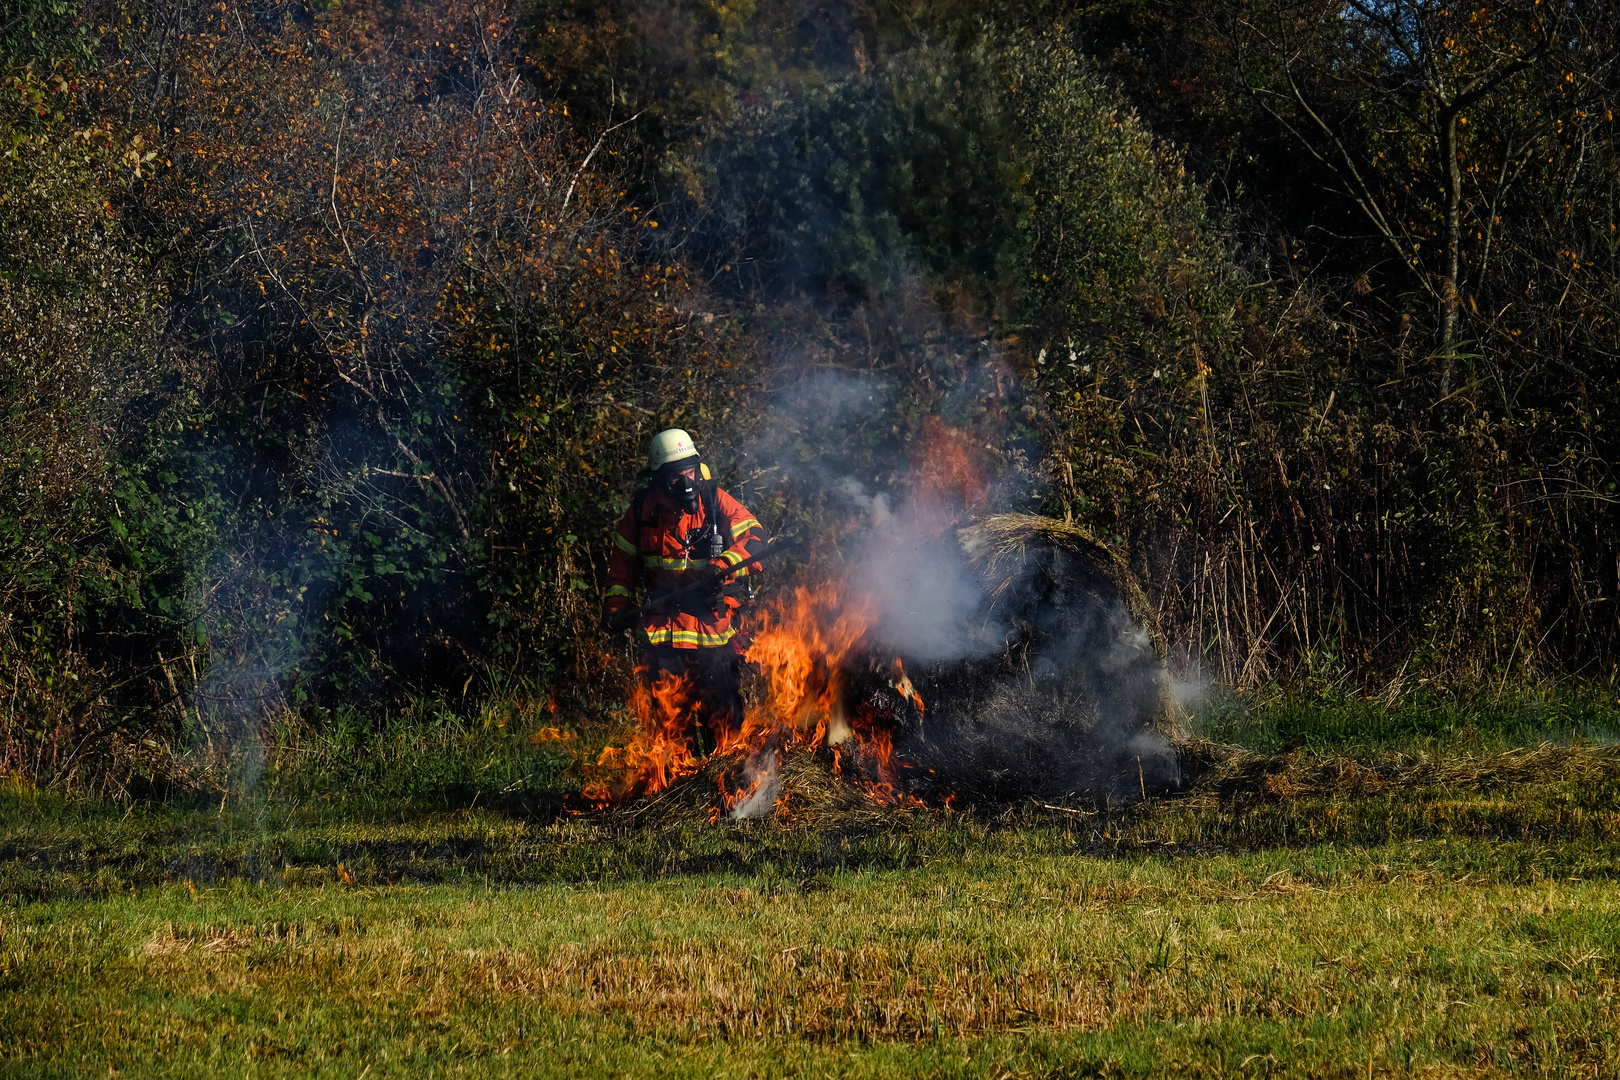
(713, 577)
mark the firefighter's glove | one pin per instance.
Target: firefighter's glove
(616, 622)
(714, 578)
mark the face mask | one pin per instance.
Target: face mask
(684, 490)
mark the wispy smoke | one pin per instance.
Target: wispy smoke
(930, 601)
(763, 785)
(1037, 677)
(1191, 686)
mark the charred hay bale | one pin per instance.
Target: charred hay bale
(1073, 702)
(1060, 566)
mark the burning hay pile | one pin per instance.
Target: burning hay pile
(805, 789)
(1010, 658)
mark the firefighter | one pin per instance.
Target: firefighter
(680, 528)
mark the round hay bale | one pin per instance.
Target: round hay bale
(1003, 546)
(1073, 702)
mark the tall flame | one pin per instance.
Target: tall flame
(949, 467)
(808, 644)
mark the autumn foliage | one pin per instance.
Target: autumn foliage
(335, 332)
(402, 341)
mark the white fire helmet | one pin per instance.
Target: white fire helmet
(669, 445)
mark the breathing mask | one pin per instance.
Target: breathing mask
(681, 486)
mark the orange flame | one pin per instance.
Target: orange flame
(807, 645)
(903, 685)
(808, 648)
(949, 466)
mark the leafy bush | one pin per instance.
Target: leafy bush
(429, 337)
(95, 562)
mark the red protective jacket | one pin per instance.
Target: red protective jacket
(652, 545)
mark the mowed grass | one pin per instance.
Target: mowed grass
(1333, 963)
(1437, 909)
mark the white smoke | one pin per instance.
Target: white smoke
(1049, 687)
(930, 600)
(764, 786)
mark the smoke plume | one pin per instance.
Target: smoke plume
(1035, 675)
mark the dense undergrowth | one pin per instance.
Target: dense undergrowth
(337, 331)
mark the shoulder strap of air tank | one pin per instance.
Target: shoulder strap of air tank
(711, 507)
(640, 513)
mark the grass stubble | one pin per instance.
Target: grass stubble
(1444, 912)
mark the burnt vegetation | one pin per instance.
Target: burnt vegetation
(333, 334)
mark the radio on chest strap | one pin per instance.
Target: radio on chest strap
(707, 541)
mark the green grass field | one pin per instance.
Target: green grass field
(1402, 896)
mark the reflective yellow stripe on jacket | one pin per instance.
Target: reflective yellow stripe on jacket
(668, 636)
(660, 563)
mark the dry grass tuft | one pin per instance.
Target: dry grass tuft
(1232, 772)
(172, 940)
(814, 797)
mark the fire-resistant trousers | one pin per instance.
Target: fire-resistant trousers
(712, 693)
